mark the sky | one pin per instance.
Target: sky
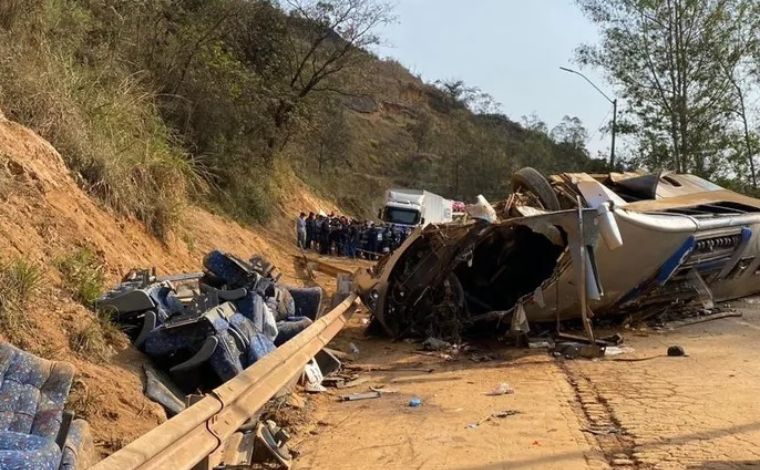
(511, 49)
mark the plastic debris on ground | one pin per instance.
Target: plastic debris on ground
(617, 350)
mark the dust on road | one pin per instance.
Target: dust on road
(695, 412)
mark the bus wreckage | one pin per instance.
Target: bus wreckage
(573, 246)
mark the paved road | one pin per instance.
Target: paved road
(696, 412)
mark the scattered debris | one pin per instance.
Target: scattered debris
(701, 319)
(361, 396)
(477, 357)
(415, 402)
(614, 340)
(312, 378)
(438, 354)
(220, 320)
(334, 381)
(602, 430)
(574, 350)
(159, 388)
(354, 383)
(327, 361)
(676, 351)
(338, 354)
(383, 390)
(354, 350)
(270, 445)
(617, 350)
(506, 413)
(296, 401)
(389, 369)
(435, 344)
(498, 414)
(502, 389)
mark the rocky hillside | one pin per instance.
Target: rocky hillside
(230, 103)
(408, 133)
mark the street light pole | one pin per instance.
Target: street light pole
(614, 127)
(614, 111)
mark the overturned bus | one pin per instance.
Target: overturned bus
(572, 246)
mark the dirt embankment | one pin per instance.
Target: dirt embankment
(45, 215)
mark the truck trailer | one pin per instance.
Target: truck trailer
(416, 207)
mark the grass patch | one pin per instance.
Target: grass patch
(81, 401)
(101, 118)
(19, 282)
(94, 340)
(82, 274)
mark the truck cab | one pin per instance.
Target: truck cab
(415, 207)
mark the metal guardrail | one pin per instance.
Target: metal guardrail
(188, 438)
(327, 268)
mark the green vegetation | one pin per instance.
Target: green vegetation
(19, 281)
(157, 104)
(688, 72)
(94, 340)
(82, 275)
(83, 278)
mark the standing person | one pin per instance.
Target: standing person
(324, 236)
(395, 236)
(364, 239)
(371, 241)
(311, 230)
(387, 239)
(301, 230)
(343, 236)
(334, 239)
(353, 238)
(318, 232)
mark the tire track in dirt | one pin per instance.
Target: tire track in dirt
(616, 443)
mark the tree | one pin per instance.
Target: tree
(570, 132)
(325, 38)
(535, 124)
(471, 97)
(738, 60)
(661, 55)
(330, 137)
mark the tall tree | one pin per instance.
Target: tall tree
(570, 132)
(325, 38)
(330, 137)
(661, 55)
(737, 56)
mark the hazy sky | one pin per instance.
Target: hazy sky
(509, 48)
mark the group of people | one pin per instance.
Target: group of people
(343, 236)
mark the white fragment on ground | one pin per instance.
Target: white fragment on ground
(502, 389)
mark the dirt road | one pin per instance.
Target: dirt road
(695, 412)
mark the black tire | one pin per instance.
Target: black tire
(529, 179)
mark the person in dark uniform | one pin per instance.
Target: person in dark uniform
(311, 230)
(324, 240)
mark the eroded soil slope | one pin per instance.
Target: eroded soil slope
(44, 215)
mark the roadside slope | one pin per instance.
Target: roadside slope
(44, 216)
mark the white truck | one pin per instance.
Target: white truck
(416, 207)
